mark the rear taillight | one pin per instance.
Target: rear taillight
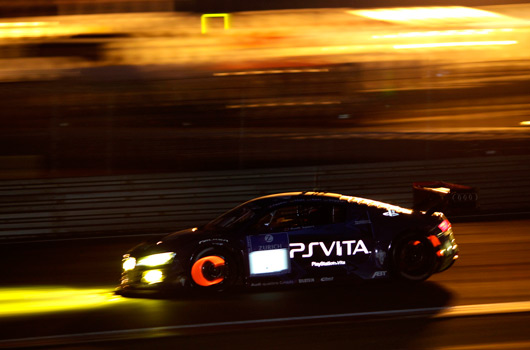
(444, 225)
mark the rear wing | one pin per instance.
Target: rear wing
(449, 198)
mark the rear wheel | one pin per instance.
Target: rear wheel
(413, 258)
(213, 269)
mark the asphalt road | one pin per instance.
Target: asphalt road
(59, 295)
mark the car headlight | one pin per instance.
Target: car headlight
(129, 263)
(156, 259)
(152, 276)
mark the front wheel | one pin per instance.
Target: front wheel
(213, 269)
(413, 258)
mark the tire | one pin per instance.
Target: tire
(413, 258)
(213, 269)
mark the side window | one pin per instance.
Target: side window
(322, 214)
(338, 213)
(300, 215)
(284, 219)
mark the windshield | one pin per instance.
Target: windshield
(233, 218)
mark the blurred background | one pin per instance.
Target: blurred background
(119, 87)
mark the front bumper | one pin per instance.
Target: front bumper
(151, 279)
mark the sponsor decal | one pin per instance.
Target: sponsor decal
(327, 263)
(268, 254)
(216, 241)
(379, 274)
(289, 282)
(464, 197)
(363, 222)
(327, 279)
(390, 213)
(337, 248)
(272, 283)
(306, 280)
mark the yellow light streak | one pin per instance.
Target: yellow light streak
(455, 44)
(18, 30)
(26, 29)
(25, 301)
(425, 13)
(525, 123)
(25, 24)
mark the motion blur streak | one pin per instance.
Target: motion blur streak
(495, 346)
(443, 33)
(455, 44)
(284, 104)
(274, 71)
(27, 29)
(485, 309)
(26, 301)
(24, 24)
(425, 13)
(20, 30)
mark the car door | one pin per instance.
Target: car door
(308, 241)
(333, 240)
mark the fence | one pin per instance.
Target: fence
(166, 202)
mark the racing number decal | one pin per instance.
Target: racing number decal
(205, 271)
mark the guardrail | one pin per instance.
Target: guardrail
(166, 202)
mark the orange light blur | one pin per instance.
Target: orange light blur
(434, 240)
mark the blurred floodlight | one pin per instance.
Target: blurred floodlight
(456, 44)
(38, 29)
(432, 33)
(425, 13)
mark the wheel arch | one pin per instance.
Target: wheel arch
(222, 249)
(394, 244)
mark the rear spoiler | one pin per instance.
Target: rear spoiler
(440, 196)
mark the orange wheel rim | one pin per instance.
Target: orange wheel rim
(197, 270)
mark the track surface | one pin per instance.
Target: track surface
(73, 305)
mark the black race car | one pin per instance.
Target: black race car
(295, 238)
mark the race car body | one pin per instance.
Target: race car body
(295, 238)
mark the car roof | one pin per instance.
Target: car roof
(287, 196)
(291, 195)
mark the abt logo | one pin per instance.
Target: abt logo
(338, 248)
